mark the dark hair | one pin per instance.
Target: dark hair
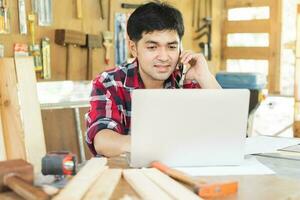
(154, 17)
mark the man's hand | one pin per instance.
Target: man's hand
(198, 69)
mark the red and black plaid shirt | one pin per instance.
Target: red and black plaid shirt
(110, 101)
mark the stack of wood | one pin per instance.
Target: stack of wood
(96, 181)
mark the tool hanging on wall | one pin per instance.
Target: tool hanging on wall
(107, 43)
(1, 50)
(120, 38)
(129, 5)
(20, 50)
(204, 28)
(92, 42)
(34, 48)
(101, 10)
(22, 17)
(45, 44)
(4, 17)
(67, 38)
(79, 9)
(44, 11)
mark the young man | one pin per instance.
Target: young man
(155, 31)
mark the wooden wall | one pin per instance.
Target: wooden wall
(59, 125)
(64, 17)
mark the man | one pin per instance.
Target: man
(155, 31)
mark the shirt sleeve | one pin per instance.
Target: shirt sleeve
(103, 112)
(191, 84)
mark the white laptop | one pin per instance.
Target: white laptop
(188, 127)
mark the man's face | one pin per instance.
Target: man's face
(157, 53)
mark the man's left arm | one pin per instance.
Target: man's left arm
(198, 70)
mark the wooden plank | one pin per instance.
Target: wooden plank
(297, 80)
(79, 184)
(10, 111)
(246, 3)
(104, 186)
(2, 144)
(250, 26)
(173, 188)
(246, 53)
(143, 185)
(30, 111)
(275, 46)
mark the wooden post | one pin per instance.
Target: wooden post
(297, 80)
(10, 111)
(2, 144)
(30, 111)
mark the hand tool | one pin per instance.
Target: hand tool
(1, 50)
(130, 5)
(59, 163)
(46, 74)
(92, 42)
(18, 176)
(22, 17)
(79, 8)
(44, 10)
(201, 188)
(101, 10)
(108, 37)
(66, 38)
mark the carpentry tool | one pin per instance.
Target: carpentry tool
(20, 50)
(120, 38)
(79, 8)
(101, 10)
(1, 50)
(34, 48)
(67, 38)
(59, 163)
(201, 188)
(17, 175)
(4, 18)
(44, 11)
(46, 74)
(108, 37)
(130, 5)
(22, 17)
(92, 42)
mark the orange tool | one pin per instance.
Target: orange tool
(203, 189)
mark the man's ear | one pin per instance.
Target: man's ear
(133, 48)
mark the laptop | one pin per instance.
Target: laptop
(188, 127)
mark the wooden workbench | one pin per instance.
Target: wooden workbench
(259, 187)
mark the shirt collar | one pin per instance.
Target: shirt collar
(133, 79)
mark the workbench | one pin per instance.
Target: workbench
(285, 184)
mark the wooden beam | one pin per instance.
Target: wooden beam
(275, 46)
(297, 79)
(104, 186)
(80, 184)
(261, 53)
(246, 3)
(2, 144)
(173, 188)
(30, 112)
(10, 111)
(250, 26)
(143, 185)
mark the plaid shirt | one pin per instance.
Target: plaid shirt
(110, 101)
